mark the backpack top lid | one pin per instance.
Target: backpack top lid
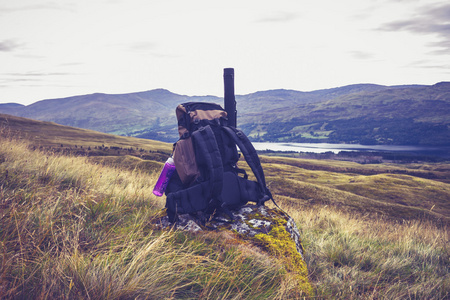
(195, 112)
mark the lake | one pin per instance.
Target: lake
(336, 148)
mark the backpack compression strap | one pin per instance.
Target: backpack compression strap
(252, 159)
(186, 201)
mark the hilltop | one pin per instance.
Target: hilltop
(360, 113)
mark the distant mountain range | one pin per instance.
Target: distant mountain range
(360, 113)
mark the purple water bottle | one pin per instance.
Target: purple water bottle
(164, 177)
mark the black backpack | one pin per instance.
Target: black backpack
(208, 180)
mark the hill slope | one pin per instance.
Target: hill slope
(417, 115)
(361, 113)
(404, 191)
(49, 135)
(72, 226)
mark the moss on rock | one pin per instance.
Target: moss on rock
(278, 243)
(270, 229)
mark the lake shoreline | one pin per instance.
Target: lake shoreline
(356, 152)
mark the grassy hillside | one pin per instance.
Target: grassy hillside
(76, 226)
(59, 138)
(384, 190)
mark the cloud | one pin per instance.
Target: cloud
(143, 46)
(430, 20)
(70, 64)
(50, 5)
(429, 64)
(278, 17)
(443, 45)
(9, 45)
(361, 55)
(30, 76)
(38, 74)
(440, 12)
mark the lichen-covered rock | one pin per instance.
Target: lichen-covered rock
(268, 228)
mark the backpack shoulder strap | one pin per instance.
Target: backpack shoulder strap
(207, 154)
(252, 159)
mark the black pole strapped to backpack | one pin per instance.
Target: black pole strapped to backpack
(229, 98)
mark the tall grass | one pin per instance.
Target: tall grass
(73, 229)
(70, 229)
(354, 256)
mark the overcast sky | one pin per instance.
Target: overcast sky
(62, 48)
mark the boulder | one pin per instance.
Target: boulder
(270, 229)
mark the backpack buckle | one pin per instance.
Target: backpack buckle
(263, 199)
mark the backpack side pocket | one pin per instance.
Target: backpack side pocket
(237, 191)
(185, 163)
(250, 190)
(231, 192)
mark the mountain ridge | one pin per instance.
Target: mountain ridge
(358, 113)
